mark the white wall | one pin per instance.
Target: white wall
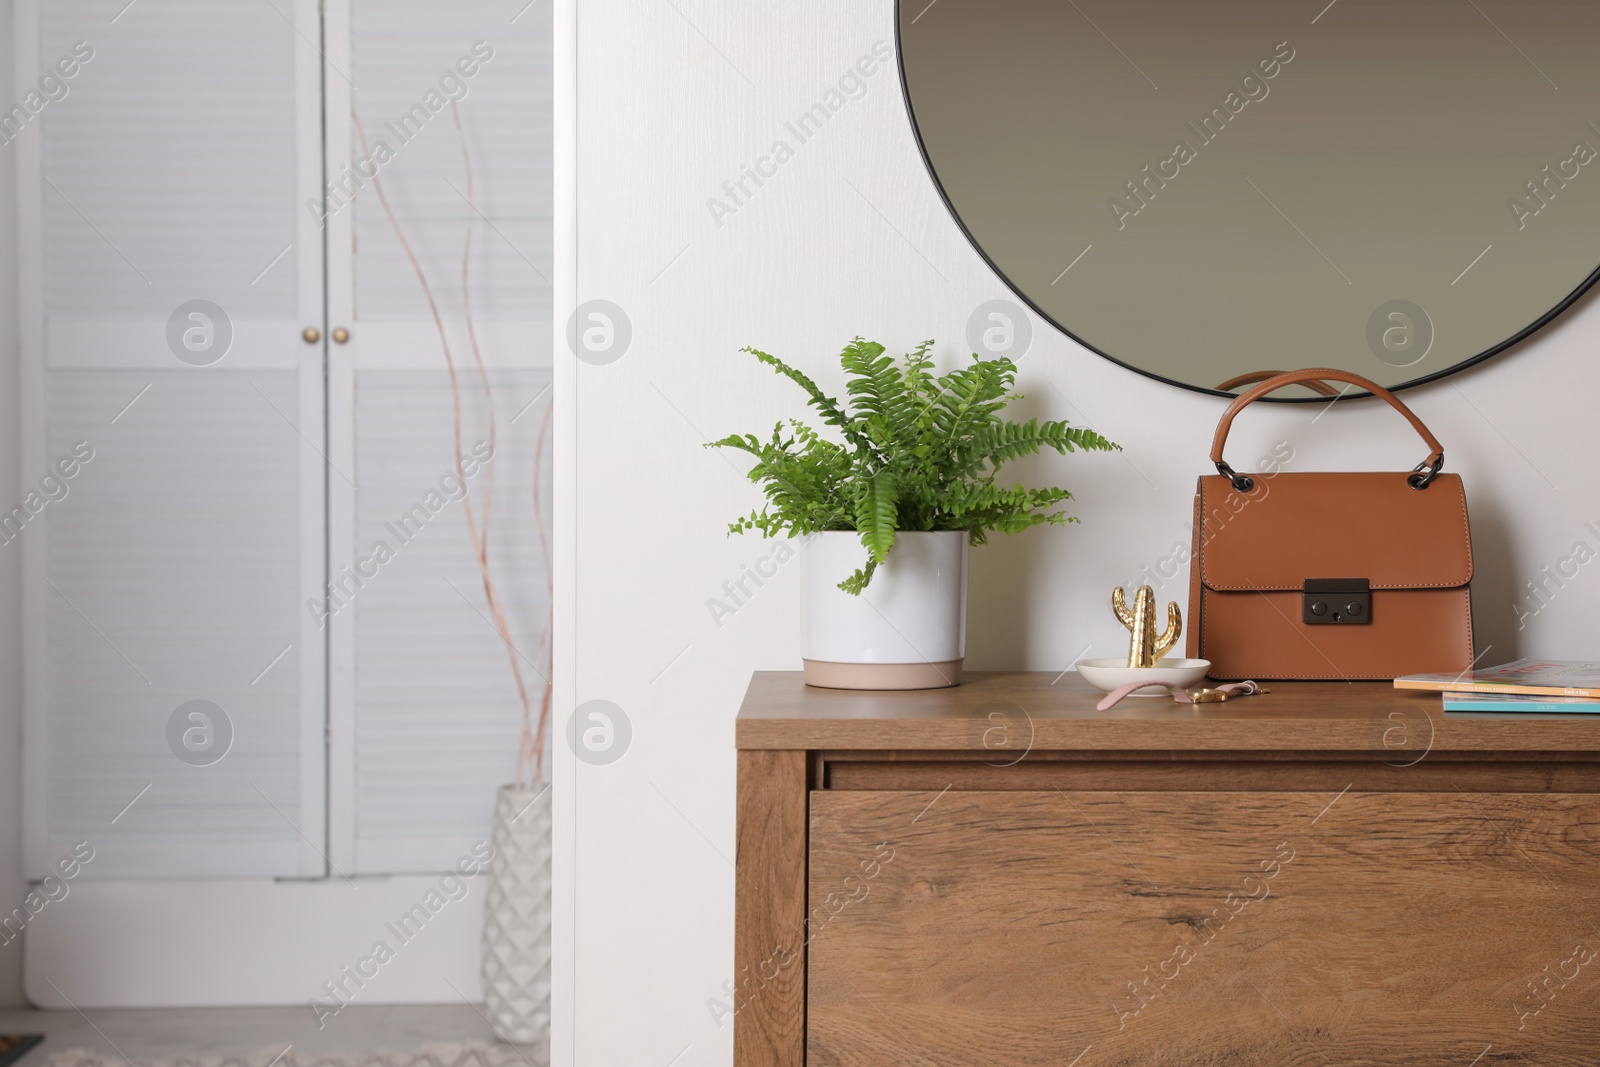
(12, 886)
(850, 237)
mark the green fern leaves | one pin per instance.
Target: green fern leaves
(918, 452)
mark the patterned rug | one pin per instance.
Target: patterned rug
(464, 1054)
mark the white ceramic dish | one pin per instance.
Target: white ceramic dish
(1108, 674)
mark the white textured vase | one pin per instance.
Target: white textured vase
(516, 919)
(908, 628)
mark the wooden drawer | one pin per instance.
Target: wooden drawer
(1183, 927)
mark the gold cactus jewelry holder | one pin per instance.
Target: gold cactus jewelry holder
(1145, 648)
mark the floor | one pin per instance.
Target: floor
(145, 1034)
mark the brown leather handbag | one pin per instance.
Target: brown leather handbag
(1330, 575)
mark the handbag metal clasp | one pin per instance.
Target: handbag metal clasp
(1336, 602)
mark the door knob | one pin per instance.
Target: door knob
(310, 335)
(341, 335)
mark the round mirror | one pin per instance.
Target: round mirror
(1206, 192)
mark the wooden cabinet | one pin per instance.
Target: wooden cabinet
(999, 875)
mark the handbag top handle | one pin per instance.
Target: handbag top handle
(1422, 474)
(1320, 387)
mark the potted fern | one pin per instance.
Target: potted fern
(890, 495)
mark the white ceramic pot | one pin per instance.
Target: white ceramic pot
(516, 918)
(907, 630)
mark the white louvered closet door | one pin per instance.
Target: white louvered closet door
(169, 265)
(425, 711)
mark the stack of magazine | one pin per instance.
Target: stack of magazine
(1541, 686)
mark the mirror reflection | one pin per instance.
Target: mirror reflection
(1209, 192)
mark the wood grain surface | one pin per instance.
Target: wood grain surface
(1041, 712)
(1284, 776)
(770, 905)
(1204, 928)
